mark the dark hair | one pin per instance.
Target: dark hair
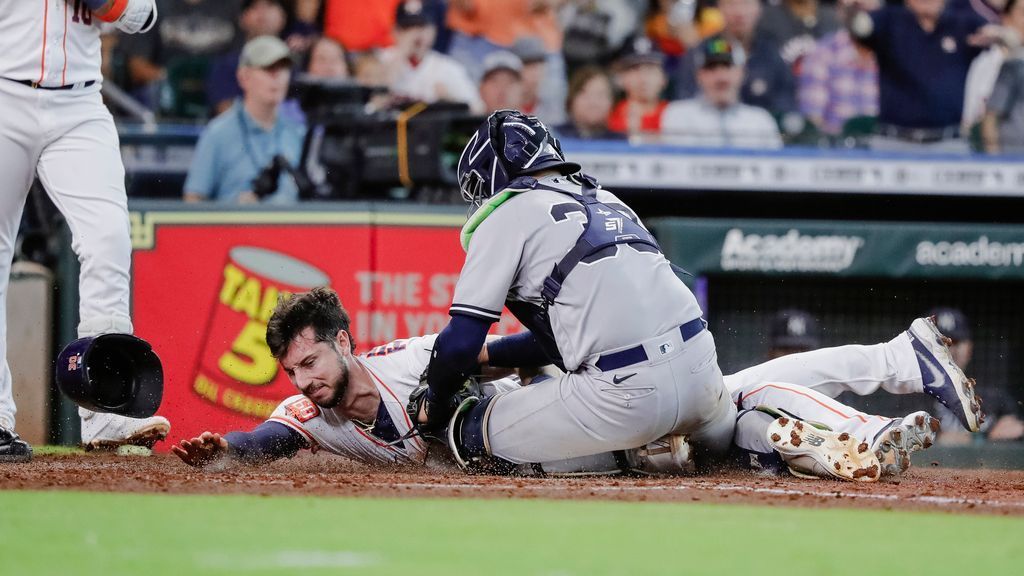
(319, 309)
(314, 41)
(581, 78)
(1009, 6)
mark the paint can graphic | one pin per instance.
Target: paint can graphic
(235, 370)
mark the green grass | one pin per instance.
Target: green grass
(44, 533)
(56, 450)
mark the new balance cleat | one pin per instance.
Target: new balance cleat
(941, 377)
(813, 453)
(110, 431)
(895, 444)
(13, 448)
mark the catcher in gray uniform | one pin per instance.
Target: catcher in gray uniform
(574, 264)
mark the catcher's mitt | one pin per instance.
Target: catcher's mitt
(439, 411)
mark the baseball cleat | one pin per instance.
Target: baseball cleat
(110, 431)
(671, 454)
(941, 377)
(813, 453)
(12, 448)
(913, 432)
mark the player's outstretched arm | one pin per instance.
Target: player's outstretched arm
(266, 443)
(203, 450)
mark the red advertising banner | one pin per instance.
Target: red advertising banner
(205, 283)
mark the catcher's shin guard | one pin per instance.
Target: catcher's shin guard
(468, 441)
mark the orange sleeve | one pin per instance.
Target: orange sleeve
(112, 10)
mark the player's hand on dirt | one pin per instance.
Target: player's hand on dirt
(202, 450)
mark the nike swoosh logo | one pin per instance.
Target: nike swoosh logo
(937, 373)
(621, 379)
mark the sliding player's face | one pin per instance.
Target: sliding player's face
(318, 369)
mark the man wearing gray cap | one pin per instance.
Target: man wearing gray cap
(250, 135)
(501, 87)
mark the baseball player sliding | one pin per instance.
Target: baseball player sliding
(54, 126)
(357, 406)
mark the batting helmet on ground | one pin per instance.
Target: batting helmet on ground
(116, 373)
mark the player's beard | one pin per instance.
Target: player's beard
(340, 385)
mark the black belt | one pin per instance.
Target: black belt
(918, 135)
(637, 354)
(36, 85)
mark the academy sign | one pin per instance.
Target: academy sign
(789, 252)
(981, 252)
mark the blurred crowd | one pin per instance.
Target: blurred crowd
(921, 75)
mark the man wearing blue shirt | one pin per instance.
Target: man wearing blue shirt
(923, 52)
(237, 145)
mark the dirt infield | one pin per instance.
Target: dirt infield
(925, 488)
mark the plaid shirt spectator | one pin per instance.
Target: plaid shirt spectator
(837, 82)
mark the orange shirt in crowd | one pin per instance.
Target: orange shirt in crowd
(618, 120)
(708, 23)
(360, 24)
(505, 21)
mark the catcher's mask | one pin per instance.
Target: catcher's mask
(507, 145)
(116, 373)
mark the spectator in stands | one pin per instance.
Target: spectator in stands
(768, 81)
(360, 25)
(639, 72)
(716, 118)
(1002, 411)
(537, 101)
(480, 27)
(417, 72)
(303, 25)
(796, 25)
(168, 66)
(502, 84)
(237, 146)
(675, 26)
(923, 54)
(838, 80)
(327, 60)
(1003, 123)
(589, 104)
(792, 331)
(368, 70)
(595, 30)
(258, 18)
(981, 76)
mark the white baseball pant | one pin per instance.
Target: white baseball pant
(68, 139)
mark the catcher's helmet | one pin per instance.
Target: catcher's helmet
(116, 373)
(508, 145)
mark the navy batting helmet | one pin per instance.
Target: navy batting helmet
(116, 373)
(508, 145)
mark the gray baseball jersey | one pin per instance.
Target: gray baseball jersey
(602, 306)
